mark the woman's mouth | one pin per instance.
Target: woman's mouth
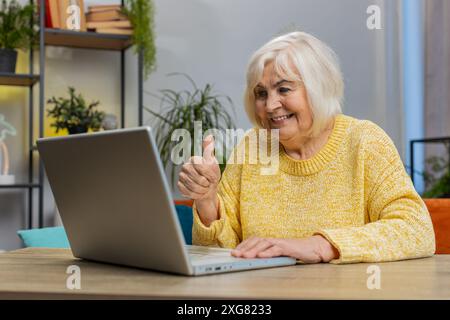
(280, 120)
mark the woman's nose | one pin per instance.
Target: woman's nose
(272, 103)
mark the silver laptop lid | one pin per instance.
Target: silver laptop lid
(114, 200)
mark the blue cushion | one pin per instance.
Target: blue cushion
(46, 237)
(56, 237)
(186, 221)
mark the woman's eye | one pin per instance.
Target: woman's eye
(261, 94)
(284, 90)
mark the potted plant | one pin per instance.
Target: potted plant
(17, 31)
(141, 13)
(437, 179)
(74, 114)
(181, 109)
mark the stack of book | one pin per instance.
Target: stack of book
(108, 19)
(59, 14)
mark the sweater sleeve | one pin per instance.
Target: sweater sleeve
(226, 231)
(399, 225)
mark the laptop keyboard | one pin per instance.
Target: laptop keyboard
(200, 252)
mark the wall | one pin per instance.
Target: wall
(212, 42)
(437, 78)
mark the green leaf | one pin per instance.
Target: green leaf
(141, 15)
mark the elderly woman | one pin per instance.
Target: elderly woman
(341, 193)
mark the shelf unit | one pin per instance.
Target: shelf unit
(426, 140)
(70, 39)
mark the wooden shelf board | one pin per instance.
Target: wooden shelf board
(86, 40)
(15, 79)
(20, 185)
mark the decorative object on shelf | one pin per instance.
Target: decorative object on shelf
(141, 15)
(5, 129)
(109, 122)
(74, 114)
(16, 32)
(181, 109)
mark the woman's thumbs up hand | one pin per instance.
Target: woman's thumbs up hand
(198, 180)
(200, 176)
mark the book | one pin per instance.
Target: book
(106, 15)
(82, 15)
(109, 24)
(48, 19)
(54, 13)
(115, 30)
(95, 8)
(63, 15)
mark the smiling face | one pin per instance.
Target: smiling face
(282, 104)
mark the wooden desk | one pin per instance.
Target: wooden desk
(41, 273)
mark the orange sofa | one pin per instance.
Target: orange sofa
(440, 215)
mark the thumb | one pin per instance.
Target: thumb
(208, 148)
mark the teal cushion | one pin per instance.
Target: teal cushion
(186, 220)
(46, 237)
(56, 237)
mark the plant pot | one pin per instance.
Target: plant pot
(8, 59)
(440, 216)
(78, 129)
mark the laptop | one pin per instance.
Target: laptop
(116, 205)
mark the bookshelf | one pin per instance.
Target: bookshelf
(70, 39)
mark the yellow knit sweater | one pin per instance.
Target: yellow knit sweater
(355, 192)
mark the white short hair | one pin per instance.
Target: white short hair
(316, 67)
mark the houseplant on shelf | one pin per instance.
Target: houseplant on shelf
(437, 179)
(141, 14)
(74, 114)
(17, 31)
(181, 109)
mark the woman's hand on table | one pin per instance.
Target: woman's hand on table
(314, 249)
